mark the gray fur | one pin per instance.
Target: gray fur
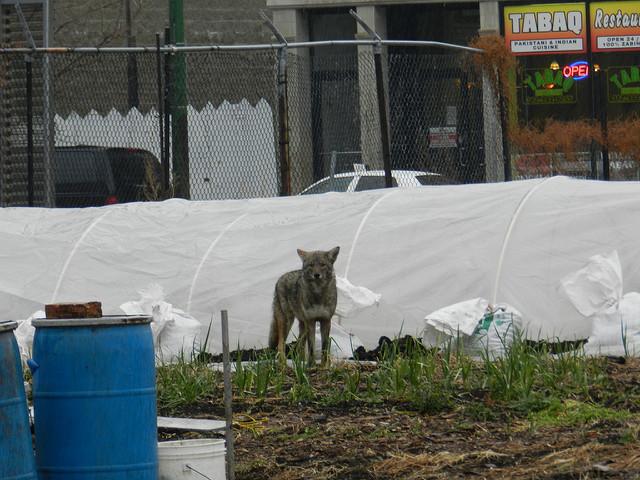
(310, 295)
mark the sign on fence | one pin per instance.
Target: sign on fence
(443, 137)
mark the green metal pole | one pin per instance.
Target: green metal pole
(179, 124)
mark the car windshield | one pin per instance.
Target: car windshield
(78, 166)
(128, 167)
(82, 177)
(335, 184)
(369, 182)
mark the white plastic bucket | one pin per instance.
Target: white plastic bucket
(193, 459)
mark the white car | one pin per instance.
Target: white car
(361, 179)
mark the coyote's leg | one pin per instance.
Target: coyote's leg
(302, 340)
(325, 329)
(311, 342)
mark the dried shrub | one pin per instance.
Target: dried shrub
(496, 61)
(623, 137)
(547, 150)
(429, 465)
(578, 461)
(556, 137)
(152, 190)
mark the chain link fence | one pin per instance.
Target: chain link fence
(119, 126)
(437, 116)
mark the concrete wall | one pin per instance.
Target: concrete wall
(102, 22)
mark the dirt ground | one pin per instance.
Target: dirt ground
(277, 440)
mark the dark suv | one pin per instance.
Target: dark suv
(87, 176)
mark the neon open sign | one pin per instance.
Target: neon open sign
(577, 70)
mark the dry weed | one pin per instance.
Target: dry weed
(623, 137)
(402, 466)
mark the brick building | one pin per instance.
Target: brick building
(103, 22)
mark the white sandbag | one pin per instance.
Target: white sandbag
(24, 335)
(605, 337)
(175, 333)
(180, 338)
(616, 330)
(597, 286)
(459, 319)
(630, 311)
(496, 332)
(596, 292)
(352, 298)
(481, 329)
(152, 303)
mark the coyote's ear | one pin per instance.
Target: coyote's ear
(333, 254)
(301, 253)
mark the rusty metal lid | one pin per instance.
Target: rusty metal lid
(6, 325)
(107, 320)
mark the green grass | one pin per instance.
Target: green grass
(528, 378)
(524, 381)
(570, 413)
(631, 434)
(186, 383)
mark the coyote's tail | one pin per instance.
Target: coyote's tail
(273, 330)
(273, 336)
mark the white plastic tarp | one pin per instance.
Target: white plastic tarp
(419, 249)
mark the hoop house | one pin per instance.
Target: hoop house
(420, 249)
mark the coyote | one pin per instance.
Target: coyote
(310, 295)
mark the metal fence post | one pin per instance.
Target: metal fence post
(283, 124)
(382, 109)
(179, 119)
(163, 157)
(506, 154)
(29, 74)
(283, 109)
(600, 80)
(594, 104)
(382, 99)
(228, 397)
(167, 118)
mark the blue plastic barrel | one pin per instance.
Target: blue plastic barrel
(16, 450)
(94, 398)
